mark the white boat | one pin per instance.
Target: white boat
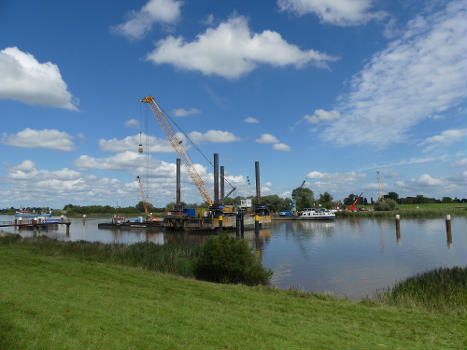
(316, 214)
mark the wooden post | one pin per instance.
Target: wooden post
(237, 225)
(67, 229)
(448, 231)
(398, 228)
(242, 225)
(84, 219)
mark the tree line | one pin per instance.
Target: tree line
(301, 198)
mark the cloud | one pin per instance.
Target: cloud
(130, 143)
(215, 136)
(231, 50)
(418, 75)
(140, 22)
(281, 147)
(132, 123)
(208, 20)
(277, 145)
(251, 120)
(320, 115)
(26, 80)
(445, 138)
(348, 177)
(341, 13)
(47, 138)
(267, 138)
(182, 112)
(335, 183)
(428, 185)
(121, 161)
(459, 163)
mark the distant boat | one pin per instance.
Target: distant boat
(26, 214)
(317, 214)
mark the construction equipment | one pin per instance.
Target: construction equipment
(354, 207)
(380, 187)
(178, 147)
(143, 198)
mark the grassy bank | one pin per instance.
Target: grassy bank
(427, 212)
(60, 300)
(443, 289)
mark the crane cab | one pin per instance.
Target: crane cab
(140, 148)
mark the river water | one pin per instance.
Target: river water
(349, 257)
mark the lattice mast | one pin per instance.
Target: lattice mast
(380, 187)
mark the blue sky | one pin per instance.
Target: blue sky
(327, 91)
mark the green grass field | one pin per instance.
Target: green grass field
(59, 301)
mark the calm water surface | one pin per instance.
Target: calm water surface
(352, 258)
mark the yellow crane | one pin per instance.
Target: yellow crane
(380, 187)
(143, 198)
(178, 147)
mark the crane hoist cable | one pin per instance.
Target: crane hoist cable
(178, 147)
(194, 144)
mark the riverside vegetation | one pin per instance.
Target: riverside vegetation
(90, 295)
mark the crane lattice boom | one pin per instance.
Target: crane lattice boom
(145, 201)
(380, 187)
(178, 147)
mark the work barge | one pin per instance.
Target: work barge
(217, 216)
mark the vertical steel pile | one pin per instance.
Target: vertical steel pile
(178, 200)
(222, 184)
(216, 179)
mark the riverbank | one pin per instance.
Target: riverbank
(52, 299)
(406, 213)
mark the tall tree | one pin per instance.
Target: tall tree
(303, 197)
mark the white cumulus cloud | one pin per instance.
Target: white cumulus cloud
(320, 115)
(420, 74)
(337, 12)
(251, 120)
(132, 123)
(281, 147)
(25, 79)
(130, 143)
(267, 138)
(47, 138)
(140, 22)
(182, 112)
(232, 50)
(121, 161)
(215, 136)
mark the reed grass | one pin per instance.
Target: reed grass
(170, 258)
(443, 289)
(406, 213)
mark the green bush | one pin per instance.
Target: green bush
(387, 204)
(224, 259)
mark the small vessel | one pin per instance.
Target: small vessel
(26, 214)
(317, 214)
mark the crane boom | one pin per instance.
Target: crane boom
(353, 207)
(178, 147)
(145, 202)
